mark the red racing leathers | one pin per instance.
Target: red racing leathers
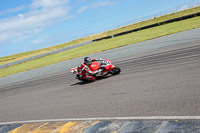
(86, 72)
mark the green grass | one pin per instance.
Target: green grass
(105, 45)
(7, 59)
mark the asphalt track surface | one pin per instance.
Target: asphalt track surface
(162, 82)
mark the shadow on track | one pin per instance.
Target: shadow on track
(84, 82)
(81, 83)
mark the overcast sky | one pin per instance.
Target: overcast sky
(33, 24)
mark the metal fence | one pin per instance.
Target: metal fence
(44, 54)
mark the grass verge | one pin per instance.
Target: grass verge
(7, 59)
(105, 45)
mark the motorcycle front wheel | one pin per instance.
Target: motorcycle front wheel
(115, 71)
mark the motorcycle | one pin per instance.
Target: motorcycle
(108, 69)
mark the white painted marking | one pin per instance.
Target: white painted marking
(109, 119)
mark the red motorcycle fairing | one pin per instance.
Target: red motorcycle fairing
(108, 65)
(96, 66)
(107, 68)
(113, 66)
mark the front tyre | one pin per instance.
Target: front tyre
(115, 71)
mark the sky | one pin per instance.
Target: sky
(27, 25)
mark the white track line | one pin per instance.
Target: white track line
(109, 119)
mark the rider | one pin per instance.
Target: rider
(86, 72)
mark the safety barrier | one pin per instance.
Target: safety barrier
(151, 26)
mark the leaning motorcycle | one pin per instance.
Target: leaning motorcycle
(109, 69)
